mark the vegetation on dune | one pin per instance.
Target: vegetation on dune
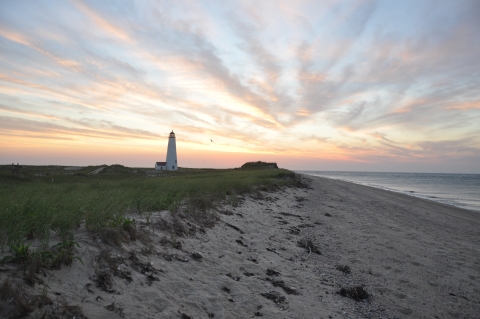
(44, 210)
(52, 199)
(259, 165)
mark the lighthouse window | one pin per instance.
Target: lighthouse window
(173, 167)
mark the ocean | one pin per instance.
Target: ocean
(462, 190)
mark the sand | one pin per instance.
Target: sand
(415, 258)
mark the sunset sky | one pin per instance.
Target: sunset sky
(314, 85)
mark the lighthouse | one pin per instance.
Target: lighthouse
(172, 153)
(171, 163)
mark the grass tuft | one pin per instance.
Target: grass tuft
(13, 301)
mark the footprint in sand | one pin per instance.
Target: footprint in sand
(454, 314)
(381, 289)
(395, 260)
(405, 311)
(400, 296)
(412, 286)
(433, 284)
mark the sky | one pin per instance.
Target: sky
(311, 85)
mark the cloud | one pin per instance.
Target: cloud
(381, 136)
(268, 65)
(349, 115)
(451, 148)
(25, 112)
(353, 80)
(103, 24)
(27, 41)
(474, 105)
(102, 130)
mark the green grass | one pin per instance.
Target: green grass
(43, 199)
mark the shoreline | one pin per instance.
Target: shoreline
(415, 258)
(436, 199)
(427, 250)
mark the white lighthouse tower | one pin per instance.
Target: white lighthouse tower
(171, 163)
(172, 153)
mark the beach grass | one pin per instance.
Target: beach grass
(46, 199)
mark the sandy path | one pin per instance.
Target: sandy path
(417, 259)
(98, 170)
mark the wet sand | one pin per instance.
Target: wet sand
(277, 255)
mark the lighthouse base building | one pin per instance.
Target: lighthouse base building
(161, 166)
(171, 163)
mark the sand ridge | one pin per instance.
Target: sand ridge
(416, 259)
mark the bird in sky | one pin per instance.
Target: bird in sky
(211, 140)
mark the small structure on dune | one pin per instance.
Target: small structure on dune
(15, 169)
(259, 165)
(171, 163)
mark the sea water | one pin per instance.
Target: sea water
(462, 190)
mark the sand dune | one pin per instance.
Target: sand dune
(285, 254)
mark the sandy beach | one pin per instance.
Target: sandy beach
(282, 254)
